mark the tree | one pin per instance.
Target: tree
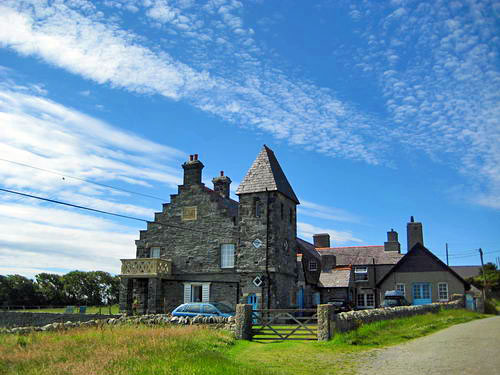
(492, 276)
(19, 290)
(51, 287)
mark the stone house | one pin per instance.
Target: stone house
(361, 275)
(423, 278)
(205, 246)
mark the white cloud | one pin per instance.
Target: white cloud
(307, 231)
(326, 212)
(249, 95)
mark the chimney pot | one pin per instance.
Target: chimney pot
(221, 173)
(321, 240)
(412, 220)
(195, 156)
(190, 157)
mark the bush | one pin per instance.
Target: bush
(490, 307)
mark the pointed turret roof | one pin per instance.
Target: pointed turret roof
(266, 173)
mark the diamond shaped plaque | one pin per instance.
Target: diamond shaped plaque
(257, 281)
(257, 243)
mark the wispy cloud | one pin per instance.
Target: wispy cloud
(307, 231)
(437, 66)
(39, 132)
(311, 209)
(77, 38)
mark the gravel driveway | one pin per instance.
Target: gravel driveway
(470, 348)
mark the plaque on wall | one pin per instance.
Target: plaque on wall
(189, 213)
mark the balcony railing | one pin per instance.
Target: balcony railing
(146, 267)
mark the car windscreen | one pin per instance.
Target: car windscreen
(223, 308)
(391, 302)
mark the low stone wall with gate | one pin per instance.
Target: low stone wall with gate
(328, 323)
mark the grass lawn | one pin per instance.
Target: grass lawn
(187, 350)
(90, 310)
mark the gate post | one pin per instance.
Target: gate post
(243, 320)
(326, 322)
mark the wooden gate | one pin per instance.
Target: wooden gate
(284, 324)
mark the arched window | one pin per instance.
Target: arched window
(257, 207)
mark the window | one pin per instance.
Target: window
(189, 213)
(209, 309)
(443, 291)
(282, 211)
(401, 288)
(196, 292)
(291, 215)
(227, 255)
(361, 274)
(365, 300)
(154, 252)
(313, 265)
(195, 309)
(257, 207)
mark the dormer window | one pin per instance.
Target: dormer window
(361, 274)
(313, 265)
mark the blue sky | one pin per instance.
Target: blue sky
(375, 110)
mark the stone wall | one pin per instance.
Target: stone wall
(347, 321)
(23, 319)
(153, 319)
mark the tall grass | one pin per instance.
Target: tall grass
(121, 350)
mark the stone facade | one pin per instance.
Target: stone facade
(217, 246)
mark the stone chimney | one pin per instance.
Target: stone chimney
(321, 240)
(328, 262)
(414, 233)
(392, 243)
(222, 184)
(192, 171)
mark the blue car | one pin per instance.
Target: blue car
(203, 309)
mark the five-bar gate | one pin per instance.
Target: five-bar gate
(284, 324)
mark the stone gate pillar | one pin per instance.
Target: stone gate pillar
(326, 322)
(243, 320)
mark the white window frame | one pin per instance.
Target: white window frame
(205, 292)
(403, 289)
(313, 265)
(365, 300)
(154, 252)
(447, 292)
(227, 255)
(360, 271)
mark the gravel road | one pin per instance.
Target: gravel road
(470, 348)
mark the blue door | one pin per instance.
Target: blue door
(470, 302)
(422, 293)
(253, 300)
(300, 298)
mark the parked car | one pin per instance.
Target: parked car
(340, 305)
(393, 298)
(204, 309)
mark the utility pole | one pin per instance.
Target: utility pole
(484, 275)
(447, 263)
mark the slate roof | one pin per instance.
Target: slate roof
(467, 271)
(422, 250)
(306, 247)
(266, 173)
(336, 278)
(361, 255)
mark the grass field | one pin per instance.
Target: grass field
(90, 310)
(191, 350)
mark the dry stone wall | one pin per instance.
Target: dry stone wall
(153, 319)
(347, 321)
(11, 319)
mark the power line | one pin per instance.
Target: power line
(83, 179)
(108, 213)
